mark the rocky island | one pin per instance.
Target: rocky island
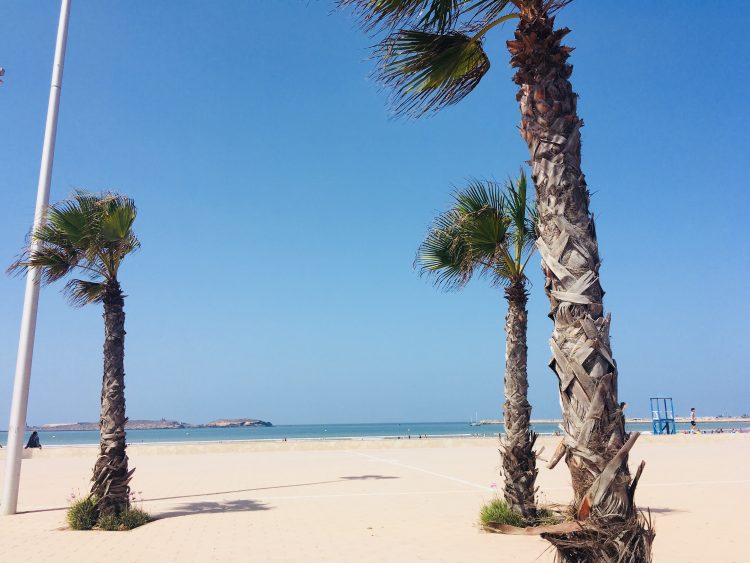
(234, 423)
(162, 424)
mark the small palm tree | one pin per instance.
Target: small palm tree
(490, 232)
(92, 234)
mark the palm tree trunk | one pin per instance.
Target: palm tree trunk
(595, 444)
(111, 475)
(517, 447)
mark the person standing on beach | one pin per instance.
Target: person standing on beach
(693, 422)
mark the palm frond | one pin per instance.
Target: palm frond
(484, 233)
(443, 254)
(533, 224)
(479, 195)
(428, 15)
(76, 224)
(54, 264)
(130, 243)
(515, 205)
(82, 292)
(503, 272)
(552, 6)
(69, 222)
(50, 234)
(426, 71)
(481, 208)
(488, 10)
(88, 232)
(117, 219)
(380, 15)
(522, 214)
(120, 249)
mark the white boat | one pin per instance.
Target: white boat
(475, 422)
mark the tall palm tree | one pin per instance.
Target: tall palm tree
(91, 234)
(490, 232)
(432, 56)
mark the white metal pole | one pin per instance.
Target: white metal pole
(17, 424)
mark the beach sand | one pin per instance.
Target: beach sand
(363, 500)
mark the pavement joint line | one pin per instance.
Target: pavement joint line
(415, 468)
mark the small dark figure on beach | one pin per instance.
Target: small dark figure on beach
(693, 422)
(33, 441)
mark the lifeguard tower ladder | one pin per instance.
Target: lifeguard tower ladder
(662, 415)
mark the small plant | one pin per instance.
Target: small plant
(83, 515)
(497, 511)
(133, 517)
(547, 517)
(82, 512)
(108, 522)
(549, 514)
(127, 520)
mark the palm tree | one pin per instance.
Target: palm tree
(92, 234)
(432, 56)
(491, 233)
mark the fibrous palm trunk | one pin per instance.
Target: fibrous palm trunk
(111, 475)
(595, 444)
(517, 447)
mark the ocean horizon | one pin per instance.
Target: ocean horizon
(354, 431)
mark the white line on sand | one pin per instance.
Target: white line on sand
(672, 484)
(691, 483)
(478, 486)
(415, 468)
(410, 493)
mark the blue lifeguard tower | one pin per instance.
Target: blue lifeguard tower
(662, 415)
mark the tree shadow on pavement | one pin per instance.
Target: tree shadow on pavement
(662, 510)
(214, 493)
(208, 507)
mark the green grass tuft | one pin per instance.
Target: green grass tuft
(126, 520)
(134, 517)
(81, 514)
(108, 522)
(497, 511)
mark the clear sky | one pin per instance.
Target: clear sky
(280, 209)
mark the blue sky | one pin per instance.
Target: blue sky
(280, 209)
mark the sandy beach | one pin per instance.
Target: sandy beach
(362, 500)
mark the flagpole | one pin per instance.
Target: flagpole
(19, 404)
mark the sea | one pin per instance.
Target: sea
(393, 430)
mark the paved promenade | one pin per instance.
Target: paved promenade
(364, 501)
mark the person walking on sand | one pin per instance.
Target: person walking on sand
(693, 422)
(33, 441)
